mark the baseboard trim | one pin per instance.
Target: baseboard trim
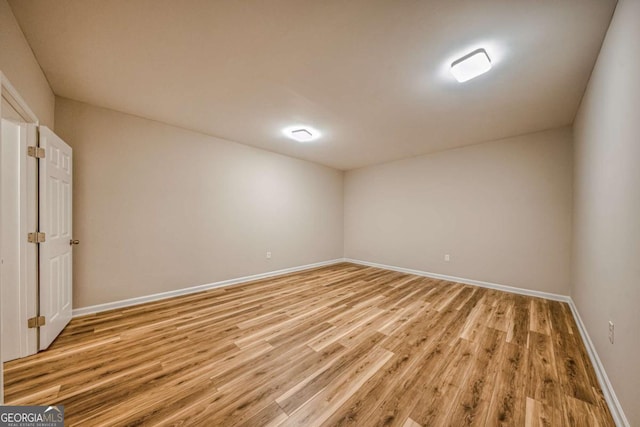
(607, 389)
(83, 311)
(496, 286)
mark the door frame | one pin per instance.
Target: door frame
(9, 93)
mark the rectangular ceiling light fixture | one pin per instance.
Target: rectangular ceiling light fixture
(302, 135)
(471, 65)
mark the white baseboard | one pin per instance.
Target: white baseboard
(505, 288)
(185, 291)
(607, 389)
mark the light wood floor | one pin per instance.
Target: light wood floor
(340, 345)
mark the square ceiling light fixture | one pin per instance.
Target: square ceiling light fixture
(301, 133)
(471, 65)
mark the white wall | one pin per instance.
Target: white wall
(19, 64)
(606, 256)
(159, 208)
(501, 209)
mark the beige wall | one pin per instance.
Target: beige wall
(21, 68)
(502, 210)
(158, 208)
(606, 261)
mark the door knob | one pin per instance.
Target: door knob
(74, 242)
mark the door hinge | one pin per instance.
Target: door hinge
(36, 152)
(36, 237)
(36, 322)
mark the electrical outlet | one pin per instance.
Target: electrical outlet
(268, 255)
(611, 331)
(447, 257)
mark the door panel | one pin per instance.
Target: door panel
(18, 265)
(56, 222)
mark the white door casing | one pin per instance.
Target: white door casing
(55, 207)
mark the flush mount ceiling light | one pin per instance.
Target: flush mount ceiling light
(471, 65)
(301, 133)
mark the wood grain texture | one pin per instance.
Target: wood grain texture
(335, 346)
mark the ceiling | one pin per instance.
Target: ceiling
(371, 75)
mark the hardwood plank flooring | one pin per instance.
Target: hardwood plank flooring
(339, 345)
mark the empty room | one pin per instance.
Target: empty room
(319, 213)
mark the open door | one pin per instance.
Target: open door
(18, 258)
(55, 210)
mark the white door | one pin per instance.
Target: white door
(18, 258)
(55, 207)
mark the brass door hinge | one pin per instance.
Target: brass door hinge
(36, 322)
(36, 152)
(36, 237)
